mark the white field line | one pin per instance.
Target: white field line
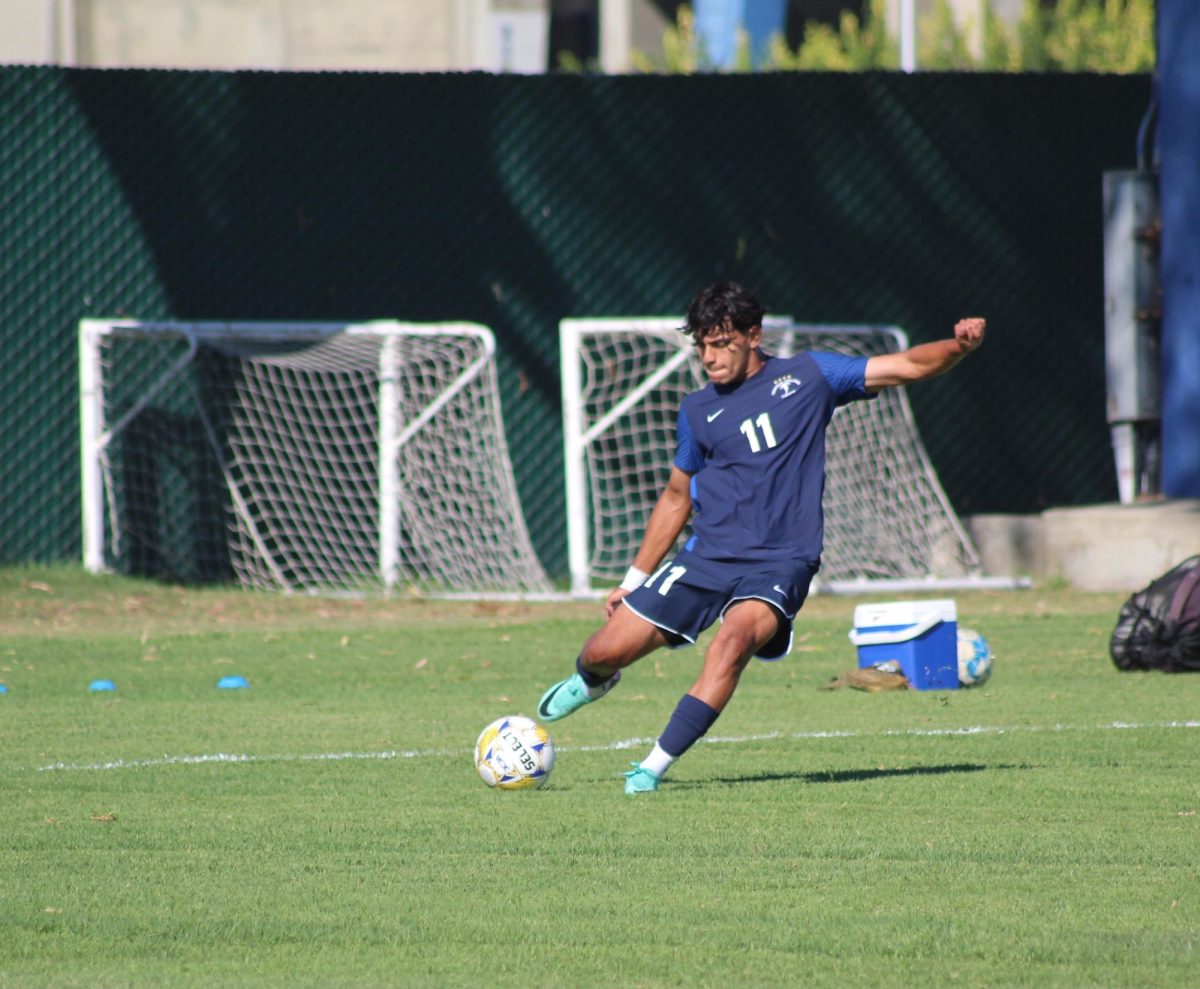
(628, 743)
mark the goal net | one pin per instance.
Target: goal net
(300, 456)
(887, 519)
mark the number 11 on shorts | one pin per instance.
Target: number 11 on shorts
(673, 574)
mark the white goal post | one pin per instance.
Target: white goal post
(300, 456)
(888, 523)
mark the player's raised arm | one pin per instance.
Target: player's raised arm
(925, 360)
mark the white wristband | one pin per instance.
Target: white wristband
(634, 578)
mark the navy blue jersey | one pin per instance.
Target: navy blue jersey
(757, 455)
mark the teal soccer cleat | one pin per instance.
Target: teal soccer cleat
(569, 695)
(639, 780)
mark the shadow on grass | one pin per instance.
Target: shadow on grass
(829, 776)
(852, 775)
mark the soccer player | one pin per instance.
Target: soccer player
(749, 472)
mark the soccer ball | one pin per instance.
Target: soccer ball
(974, 658)
(514, 753)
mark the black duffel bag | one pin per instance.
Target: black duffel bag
(1159, 626)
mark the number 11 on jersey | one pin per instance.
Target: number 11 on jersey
(752, 427)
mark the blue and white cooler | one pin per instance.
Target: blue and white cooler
(920, 637)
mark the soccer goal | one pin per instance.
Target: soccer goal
(888, 523)
(300, 456)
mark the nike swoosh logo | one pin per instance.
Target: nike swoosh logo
(776, 587)
(714, 415)
(544, 707)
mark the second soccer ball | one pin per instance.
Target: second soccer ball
(974, 658)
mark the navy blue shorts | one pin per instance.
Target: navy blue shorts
(690, 593)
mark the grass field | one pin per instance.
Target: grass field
(325, 827)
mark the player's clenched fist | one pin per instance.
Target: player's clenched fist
(969, 332)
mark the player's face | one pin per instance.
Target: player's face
(729, 356)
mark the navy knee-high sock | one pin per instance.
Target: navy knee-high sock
(690, 720)
(590, 678)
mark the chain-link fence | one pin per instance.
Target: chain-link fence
(516, 201)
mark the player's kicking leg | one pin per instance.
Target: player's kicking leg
(623, 639)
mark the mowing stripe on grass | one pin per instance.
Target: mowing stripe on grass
(628, 743)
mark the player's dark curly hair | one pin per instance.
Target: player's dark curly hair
(723, 304)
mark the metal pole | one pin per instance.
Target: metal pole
(908, 35)
(616, 32)
(91, 428)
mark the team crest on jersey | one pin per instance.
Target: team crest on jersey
(785, 386)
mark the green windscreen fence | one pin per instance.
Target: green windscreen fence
(516, 201)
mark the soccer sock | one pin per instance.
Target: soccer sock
(690, 720)
(658, 761)
(593, 681)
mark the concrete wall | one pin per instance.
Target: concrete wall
(259, 33)
(395, 35)
(1094, 548)
(29, 32)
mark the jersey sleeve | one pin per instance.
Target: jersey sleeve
(688, 457)
(846, 375)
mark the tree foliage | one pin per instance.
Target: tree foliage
(1071, 36)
